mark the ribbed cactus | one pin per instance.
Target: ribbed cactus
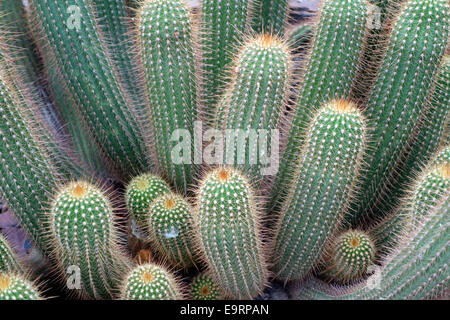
(167, 52)
(140, 194)
(203, 287)
(83, 235)
(27, 177)
(72, 43)
(323, 184)
(255, 100)
(270, 16)
(351, 256)
(229, 229)
(408, 72)
(417, 270)
(329, 74)
(171, 229)
(15, 287)
(223, 26)
(151, 282)
(8, 259)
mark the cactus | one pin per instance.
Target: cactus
(300, 35)
(428, 135)
(8, 259)
(26, 175)
(418, 269)
(270, 16)
(442, 156)
(407, 75)
(324, 182)
(82, 228)
(15, 287)
(203, 287)
(72, 43)
(166, 45)
(223, 25)
(331, 68)
(351, 257)
(229, 230)
(171, 229)
(256, 98)
(150, 282)
(140, 194)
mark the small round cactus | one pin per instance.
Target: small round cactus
(15, 287)
(351, 256)
(203, 287)
(140, 194)
(150, 282)
(84, 236)
(171, 228)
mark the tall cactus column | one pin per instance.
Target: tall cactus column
(72, 42)
(166, 44)
(323, 184)
(223, 24)
(329, 74)
(408, 73)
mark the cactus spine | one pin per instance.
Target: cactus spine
(324, 182)
(26, 175)
(84, 236)
(270, 16)
(229, 228)
(410, 67)
(223, 24)
(150, 282)
(417, 270)
(8, 259)
(15, 287)
(171, 228)
(140, 194)
(167, 53)
(78, 51)
(331, 68)
(257, 96)
(351, 256)
(203, 287)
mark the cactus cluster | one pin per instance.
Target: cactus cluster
(155, 151)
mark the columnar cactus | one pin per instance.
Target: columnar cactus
(26, 175)
(270, 16)
(82, 228)
(15, 287)
(256, 99)
(151, 282)
(167, 52)
(229, 230)
(223, 24)
(331, 67)
(351, 256)
(8, 258)
(171, 229)
(418, 269)
(408, 72)
(203, 287)
(140, 194)
(72, 43)
(323, 183)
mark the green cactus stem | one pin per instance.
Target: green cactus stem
(332, 65)
(84, 236)
(324, 182)
(270, 16)
(399, 96)
(229, 228)
(8, 259)
(151, 282)
(166, 44)
(223, 26)
(15, 287)
(171, 229)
